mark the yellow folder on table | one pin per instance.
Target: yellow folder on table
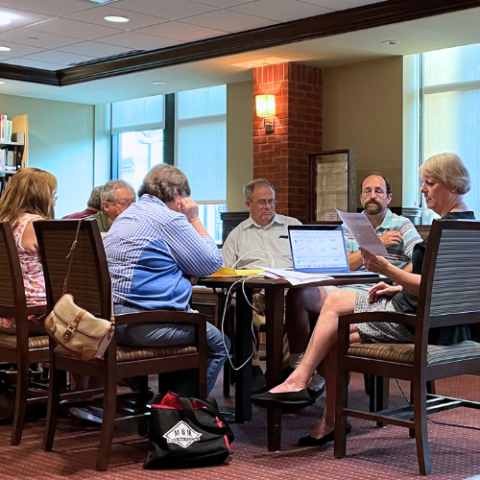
(231, 272)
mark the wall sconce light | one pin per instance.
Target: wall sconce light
(265, 105)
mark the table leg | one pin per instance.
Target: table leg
(243, 350)
(274, 306)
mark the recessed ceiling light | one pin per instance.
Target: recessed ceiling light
(4, 49)
(6, 18)
(115, 19)
(159, 83)
(391, 42)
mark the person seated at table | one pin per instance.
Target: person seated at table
(30, 196)
(156, 250)
(94, 205)
(117, 196)
(397, 233)
(444, 181)
(259, 241)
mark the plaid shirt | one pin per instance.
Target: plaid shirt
(398, 255)
(151, 252)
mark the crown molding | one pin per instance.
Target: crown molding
(28, 74)
(335, 23)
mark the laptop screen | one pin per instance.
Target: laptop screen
(318, 248)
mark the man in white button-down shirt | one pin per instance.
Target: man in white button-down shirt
(257, 240)
(261, 240)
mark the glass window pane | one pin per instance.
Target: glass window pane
(452, 123)
(138, 152)
(452, 65)
(202, 102)
(210, 217)
(138, 114)
(201, 155)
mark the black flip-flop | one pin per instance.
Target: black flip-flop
(279, 400)
(309, 441)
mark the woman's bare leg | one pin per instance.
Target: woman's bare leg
(327, 422)
(324, 339)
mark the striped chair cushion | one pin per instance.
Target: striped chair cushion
(404, 352)
(127, 354)
(10, 341)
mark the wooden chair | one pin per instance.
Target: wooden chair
(19, 349)
(449, 295)
(90, 285)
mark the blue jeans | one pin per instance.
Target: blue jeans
(172, 334)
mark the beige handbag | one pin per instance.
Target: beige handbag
(78, 332)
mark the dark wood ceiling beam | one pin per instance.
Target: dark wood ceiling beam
(335, 23)
(27, 74)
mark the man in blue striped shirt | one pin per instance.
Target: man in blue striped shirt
(156, 249)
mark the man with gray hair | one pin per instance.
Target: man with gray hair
(117, 196)
(260, 240)
(155, 251)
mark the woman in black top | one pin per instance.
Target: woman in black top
(444, 182)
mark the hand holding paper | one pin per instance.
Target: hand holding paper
(363, 232)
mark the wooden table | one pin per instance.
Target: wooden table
(274, 311)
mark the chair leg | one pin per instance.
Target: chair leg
(382, 394)
(226, 379)
(20, 402)
(421, 434)
(109, 410)
(142, 425)
(341, 402)
(57, 378)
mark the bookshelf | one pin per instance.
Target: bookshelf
(13, 154)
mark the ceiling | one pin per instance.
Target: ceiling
(54, 34)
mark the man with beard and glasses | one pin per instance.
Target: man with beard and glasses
(397, 233)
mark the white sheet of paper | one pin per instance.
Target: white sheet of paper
(295, 278)
(363, 232)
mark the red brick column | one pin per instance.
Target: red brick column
(282, 156)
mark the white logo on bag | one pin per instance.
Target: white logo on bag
(182, 434)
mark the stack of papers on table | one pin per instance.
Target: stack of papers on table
(295, 278)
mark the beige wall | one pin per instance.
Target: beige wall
(239, 142)
(363, 110)
(60, 140)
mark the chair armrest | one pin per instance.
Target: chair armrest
(160, 316)
(369, 317)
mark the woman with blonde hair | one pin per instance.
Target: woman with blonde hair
(445, 181)
(30, 195)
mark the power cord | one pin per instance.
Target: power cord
(448, 424)
(228, 295)
(269, 255)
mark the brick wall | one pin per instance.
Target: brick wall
(282, 156)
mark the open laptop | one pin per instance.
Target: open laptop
(321, 249)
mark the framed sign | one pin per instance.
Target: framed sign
(332, 185)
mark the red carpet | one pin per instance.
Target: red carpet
(372, 453)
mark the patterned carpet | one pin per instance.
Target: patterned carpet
(372, 453)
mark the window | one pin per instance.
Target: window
(140, 137)
(451, 111)
(201, 151)
(137, 129)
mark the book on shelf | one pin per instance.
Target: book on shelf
(8, 131)
(3, 159)
(3, 127)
